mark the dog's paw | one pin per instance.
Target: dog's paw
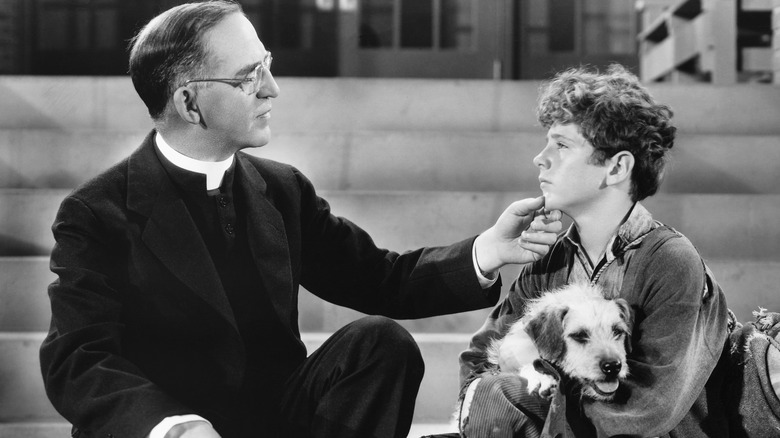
(547, 386)
(540, 385)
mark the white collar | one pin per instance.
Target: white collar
(214, 170)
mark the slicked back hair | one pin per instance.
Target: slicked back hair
(170, 48)
(615, 113)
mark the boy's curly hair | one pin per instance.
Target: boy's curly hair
(614, 112)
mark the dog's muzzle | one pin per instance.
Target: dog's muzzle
(606, 388)
(610, 383)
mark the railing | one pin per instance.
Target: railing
(718, 41)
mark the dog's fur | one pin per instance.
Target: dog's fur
(582, 334)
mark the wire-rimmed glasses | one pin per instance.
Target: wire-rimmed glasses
(251, 83)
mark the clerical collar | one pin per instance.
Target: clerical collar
(214, 170)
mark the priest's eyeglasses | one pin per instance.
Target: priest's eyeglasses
(251, 84)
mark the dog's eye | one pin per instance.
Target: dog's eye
(618, 332)
(580, 336)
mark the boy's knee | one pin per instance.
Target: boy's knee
(500, 388)
(499, 406)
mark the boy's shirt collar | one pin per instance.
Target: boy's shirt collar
(638, 223)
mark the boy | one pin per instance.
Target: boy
(606, 145)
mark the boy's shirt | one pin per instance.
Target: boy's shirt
(679, 331)
(629, 235)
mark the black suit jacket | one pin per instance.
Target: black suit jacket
(141, 326)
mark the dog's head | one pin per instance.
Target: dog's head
(585, 335)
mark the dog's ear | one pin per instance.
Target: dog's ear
(544, 367)
(545, 328)
(627, 315)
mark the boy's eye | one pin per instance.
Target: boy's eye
(560, 145)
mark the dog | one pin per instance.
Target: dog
(575, 331)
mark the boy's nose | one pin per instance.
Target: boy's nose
(540, 160)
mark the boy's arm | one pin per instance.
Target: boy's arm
(533, 279)
(473, 360)
(679, 333)
(529, 284)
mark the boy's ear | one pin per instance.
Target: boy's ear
(620, 166)
(186, 105)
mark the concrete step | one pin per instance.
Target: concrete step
(23, 399)
(62, 429)
(35, 429)
(748, 284)
(397, 160)
(24, 282)
(737, 226)
(26, 216)
(25, 306)
(348, 104)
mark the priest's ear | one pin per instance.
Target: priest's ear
(186, 105)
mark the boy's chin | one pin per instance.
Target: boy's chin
(550, 203)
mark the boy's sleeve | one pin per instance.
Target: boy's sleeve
(473, 360)
(679, 333)
(533, 279)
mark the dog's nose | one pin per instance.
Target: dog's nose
(611, 368)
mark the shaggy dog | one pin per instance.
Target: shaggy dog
(575, 330)
(572, 331)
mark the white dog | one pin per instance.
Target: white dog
(575, 331)
(582, 334)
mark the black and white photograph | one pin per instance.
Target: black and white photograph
(389, 218)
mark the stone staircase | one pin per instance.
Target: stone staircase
(415, 162)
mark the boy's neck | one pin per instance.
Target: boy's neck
(597, 226)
